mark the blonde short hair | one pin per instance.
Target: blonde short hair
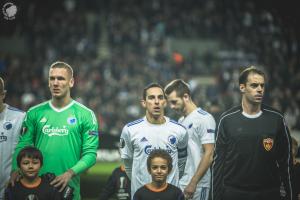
(60, 64)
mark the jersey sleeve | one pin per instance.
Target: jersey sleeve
(219, 159)
(126, 151)
(27, 137)
(206, 130)
(284, 159)
(182, 152)
(126, 148)
(90, 143)
(19, 125)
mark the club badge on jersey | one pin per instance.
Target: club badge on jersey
(7, 125)
(268, 143)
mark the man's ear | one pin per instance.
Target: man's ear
(242, 88)
(71, 83)
(4, 94)
(186, 97)
(143, 103)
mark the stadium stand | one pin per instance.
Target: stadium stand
(116, 47)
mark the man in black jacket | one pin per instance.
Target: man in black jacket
(253, 150)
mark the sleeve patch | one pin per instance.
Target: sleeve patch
(122, 143)
(210, 131)
(94, 133)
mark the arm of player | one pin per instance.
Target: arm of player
(182, 153)
(126, 151)
(90, 142)
(205, 130)
(26, 138)
(218, 162)
(284, 157)
(201, 169)
(128, 167)
(63, 180)
(27, 133)
(89, 148)
(57, 195)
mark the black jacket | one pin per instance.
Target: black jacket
(252, 155)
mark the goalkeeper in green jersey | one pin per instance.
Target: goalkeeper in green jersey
(65, 131)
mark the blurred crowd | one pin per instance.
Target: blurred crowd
(117, 47)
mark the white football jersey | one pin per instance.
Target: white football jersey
(140, 137)
(10, 127)
(201, 129)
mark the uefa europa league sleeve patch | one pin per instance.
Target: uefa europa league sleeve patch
(122, 143)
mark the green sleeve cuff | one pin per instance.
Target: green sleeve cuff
(84, 163)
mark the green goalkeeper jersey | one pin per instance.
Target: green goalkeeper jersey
(67, 137)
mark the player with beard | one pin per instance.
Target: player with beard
(201, 125)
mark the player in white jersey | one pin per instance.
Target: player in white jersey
(10, 127)
(195, 182)
(154, 131)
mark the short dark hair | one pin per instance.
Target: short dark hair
(152, 85)
(179, 86)
(160, 153)
(250, 70)
(60, 64)
(30, 152)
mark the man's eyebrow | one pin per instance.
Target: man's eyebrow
(58, 77)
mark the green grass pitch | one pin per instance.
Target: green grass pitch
(103, 168)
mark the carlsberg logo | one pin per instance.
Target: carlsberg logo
(55, 131)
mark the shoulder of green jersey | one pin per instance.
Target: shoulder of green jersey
(38, 106)
(83, 106)
(87, 109)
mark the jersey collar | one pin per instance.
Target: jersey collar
(61, 109)
(166, 118)
(252, 116)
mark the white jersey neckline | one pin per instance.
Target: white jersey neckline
(252, 116)
(146, 120)
(61, 109)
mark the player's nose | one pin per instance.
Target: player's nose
(55, 82)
